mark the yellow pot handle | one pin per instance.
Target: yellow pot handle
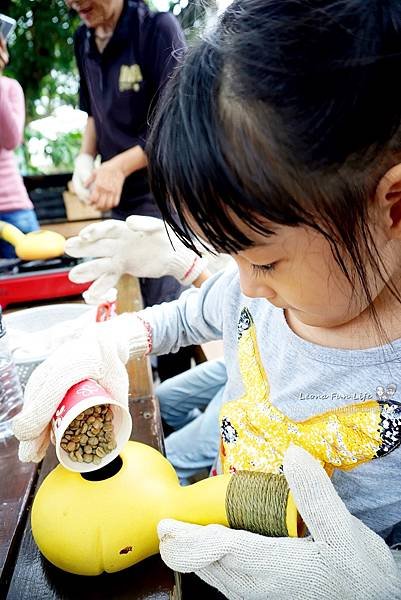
(10, 233)
(36, 245)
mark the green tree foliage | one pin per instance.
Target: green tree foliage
(192, 14)
(41, 51)
(42, 60)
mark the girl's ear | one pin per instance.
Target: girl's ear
(388, 201)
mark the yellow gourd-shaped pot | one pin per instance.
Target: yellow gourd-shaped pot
(87, 527)
(36, 245)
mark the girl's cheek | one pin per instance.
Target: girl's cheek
(255, 289)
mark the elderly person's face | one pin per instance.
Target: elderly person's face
(94, 13)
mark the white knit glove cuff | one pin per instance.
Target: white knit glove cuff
(136, 332)
(83, 168)
(397, 558)
(186, 266)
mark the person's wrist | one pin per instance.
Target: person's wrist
(204, 276)
(133, 333)
(118, 164)
(186, 266)
(85, 156)
(84, 161)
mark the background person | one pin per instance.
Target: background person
(125, 54)
(15, 206)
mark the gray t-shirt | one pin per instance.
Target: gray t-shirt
(305, 379)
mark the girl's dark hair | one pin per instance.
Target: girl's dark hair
(288, 112)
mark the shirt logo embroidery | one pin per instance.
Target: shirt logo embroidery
(130, 78)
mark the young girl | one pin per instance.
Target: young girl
(279, 142)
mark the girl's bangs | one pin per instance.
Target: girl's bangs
(198, 184)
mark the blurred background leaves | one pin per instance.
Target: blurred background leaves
(42, 60)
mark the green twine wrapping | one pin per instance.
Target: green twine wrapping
(257, 502)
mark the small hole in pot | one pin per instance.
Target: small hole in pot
(105, 472)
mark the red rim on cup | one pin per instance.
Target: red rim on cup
(83, 395)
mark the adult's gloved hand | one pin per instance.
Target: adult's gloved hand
(83, 170)
(141, 246)
(342, 560)
(100, 354)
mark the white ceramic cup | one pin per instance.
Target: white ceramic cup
(83, 395)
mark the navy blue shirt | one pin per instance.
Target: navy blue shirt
(119, 87)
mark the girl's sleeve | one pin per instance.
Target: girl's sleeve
(12, 114)
(196, 317)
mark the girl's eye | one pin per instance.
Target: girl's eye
(264, 268)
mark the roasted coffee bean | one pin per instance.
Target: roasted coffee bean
(90, 436)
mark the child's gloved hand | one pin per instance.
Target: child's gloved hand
(141, 246)
(100, 354)
(343, 559)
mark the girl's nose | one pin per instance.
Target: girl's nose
(254, 287)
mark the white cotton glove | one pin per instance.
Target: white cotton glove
(83, 169)
(100, 354)
(141, 246)
(342, 560)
